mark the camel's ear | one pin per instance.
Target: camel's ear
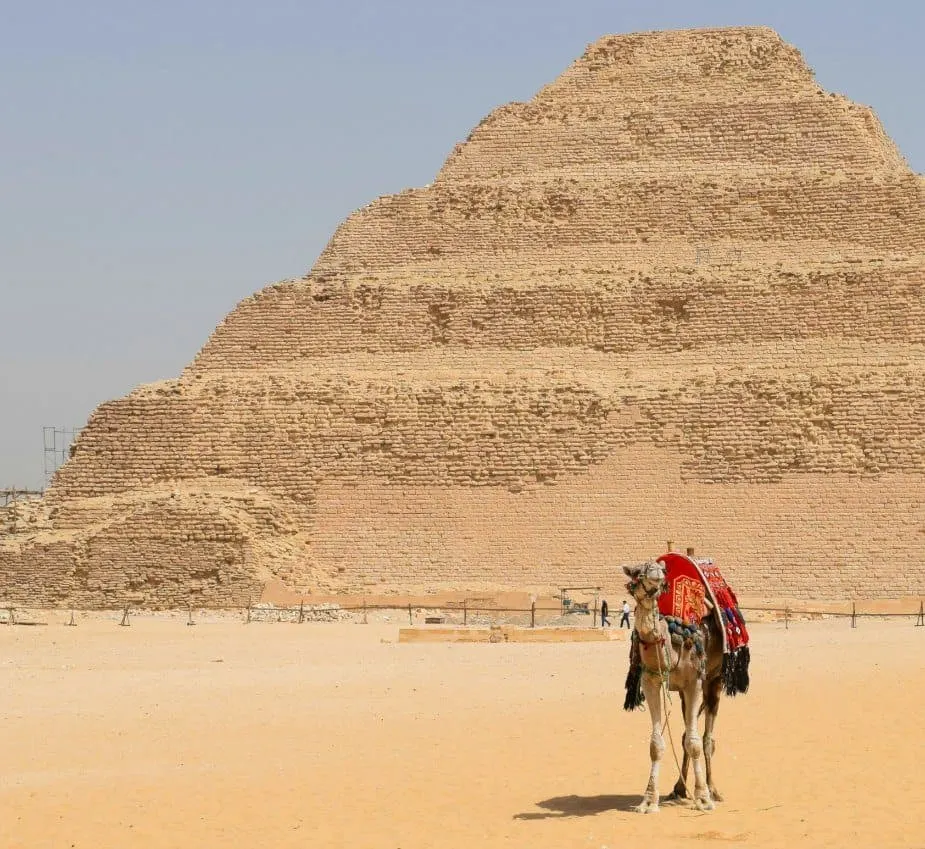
(632, 571)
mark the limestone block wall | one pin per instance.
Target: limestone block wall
(432, 444)
(287, 438)
(677, 295)
(499, 219)
(820, 132)
(600, 308)
(803, 537)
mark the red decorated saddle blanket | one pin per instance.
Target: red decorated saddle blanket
(694, 587)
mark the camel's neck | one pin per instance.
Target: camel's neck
(647, 621)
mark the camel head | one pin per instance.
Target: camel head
(647, 581)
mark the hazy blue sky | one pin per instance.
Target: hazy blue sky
(159, 161)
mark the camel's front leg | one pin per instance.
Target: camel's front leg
(693, 747)
(651, 687)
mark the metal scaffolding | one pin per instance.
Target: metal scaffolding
(58, 442)
(14, 493)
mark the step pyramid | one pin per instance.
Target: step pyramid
(676, 295)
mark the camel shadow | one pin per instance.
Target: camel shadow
(581, 806)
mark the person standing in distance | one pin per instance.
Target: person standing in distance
(625, 615)
(605, 611)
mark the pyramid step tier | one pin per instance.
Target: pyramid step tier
(589, 307)
(455, 422)
(512, 220)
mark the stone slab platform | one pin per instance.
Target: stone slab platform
(506, 634)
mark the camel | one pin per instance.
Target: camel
(690, 663)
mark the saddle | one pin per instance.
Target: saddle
(695, 588)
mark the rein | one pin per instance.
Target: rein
(661, 671)
(661, 642)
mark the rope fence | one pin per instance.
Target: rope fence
(854, 614)
(437, 613)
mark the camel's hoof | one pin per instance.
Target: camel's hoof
(679, 793)
(646, 807)
(705, 803)
(715, 795)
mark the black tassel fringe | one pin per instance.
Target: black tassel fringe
(735, 671)
(634, 696)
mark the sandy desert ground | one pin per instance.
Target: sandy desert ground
(284, 735)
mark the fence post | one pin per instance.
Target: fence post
(465, 612)
(854, 615)
(248, 620)
(920, 622)
(365, 619)
(594, 620)
(125, 620)
(410, 616)
(301, 610)
(533, 614)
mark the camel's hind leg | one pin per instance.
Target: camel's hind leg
(680, 787)
(713, 689)
(693, 746)
(651, 687)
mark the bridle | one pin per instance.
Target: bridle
(641, 583)
(644, 577)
